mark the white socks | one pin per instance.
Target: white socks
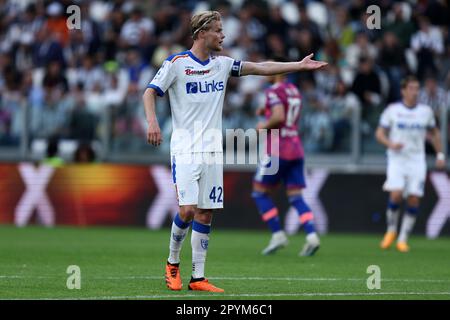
(392, 219)
(313, 239)
(407, 226)
(177, 235)
(199, 242)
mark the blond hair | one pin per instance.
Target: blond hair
(202, 20)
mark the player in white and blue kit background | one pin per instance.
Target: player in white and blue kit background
(402, 129)
(196, 82)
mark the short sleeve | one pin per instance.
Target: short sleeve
(272, 98)
(234, 66)
(164, 78)
(386, 119)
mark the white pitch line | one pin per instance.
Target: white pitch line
(233, 278)
(323, 279)
(26, 277)
(320, 294)
(268, 295)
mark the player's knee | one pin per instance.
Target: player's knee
(260, 189)
(204, 217)
(294, 192)
(187, 213)
(396, 197)
(413, 202)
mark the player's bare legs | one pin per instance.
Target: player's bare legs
(409, 218)
(392, 215)
(306, 219)
(269, 214)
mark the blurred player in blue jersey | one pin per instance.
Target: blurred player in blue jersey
(196, 81)
(282, 111)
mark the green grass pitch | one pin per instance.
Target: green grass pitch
(125, 263)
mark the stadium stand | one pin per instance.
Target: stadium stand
(86, 84)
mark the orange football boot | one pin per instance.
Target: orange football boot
(203, 285)
(389, 238)
(173, 278)
(402, 246)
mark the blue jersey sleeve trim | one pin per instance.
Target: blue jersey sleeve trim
(169, 58)
(158, 89)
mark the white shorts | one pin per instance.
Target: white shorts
(406, 175)
(198, 178)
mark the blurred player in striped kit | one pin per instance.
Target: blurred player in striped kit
(282, 111)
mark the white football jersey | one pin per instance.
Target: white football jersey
(196, 95)
(407, 126)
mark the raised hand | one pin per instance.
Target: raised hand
(308, 64)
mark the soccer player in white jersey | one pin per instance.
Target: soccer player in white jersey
(402, 129)
(196, 80)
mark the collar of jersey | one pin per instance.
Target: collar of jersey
(203, 63)
(409, 108)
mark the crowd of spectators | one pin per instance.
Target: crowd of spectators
(86, 83)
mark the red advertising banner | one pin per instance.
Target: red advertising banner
(127, 195)
(75, 194)
(99, 194)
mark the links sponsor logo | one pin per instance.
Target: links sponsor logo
(410, 126)
(190, 72)
(204, 87)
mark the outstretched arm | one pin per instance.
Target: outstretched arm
(271, 68)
